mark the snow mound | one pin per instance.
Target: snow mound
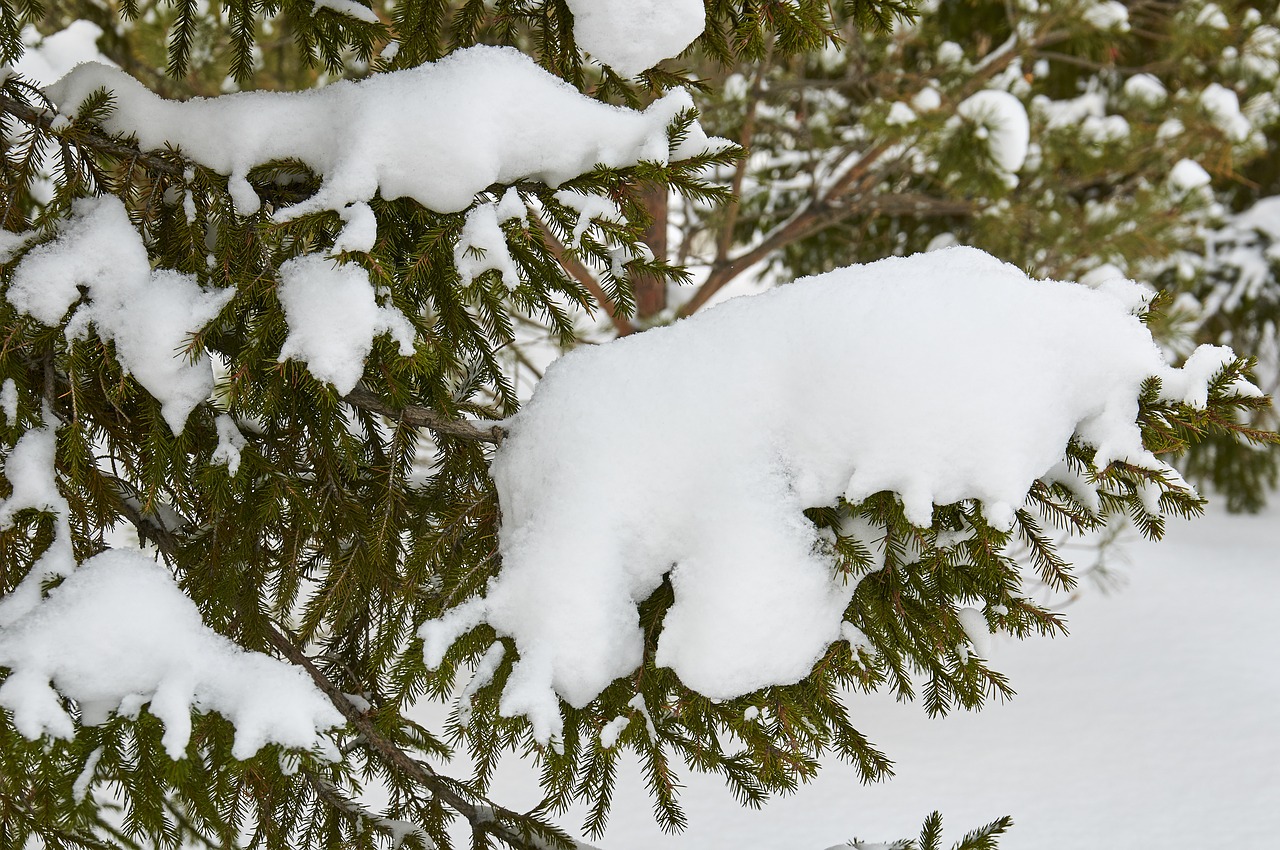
(940, 377)
(632, 35)
(439, 133)
(148, 313)
(118, 633)
(333, 315)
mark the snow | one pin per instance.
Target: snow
(611, 730)
(900, 115)
(1151, 725)
(482, 247)
(1223, 106)
(1145, 89)
(1005, 119)
(588, 207)
(927, 100)
(333, 315)
(633, 35)
(439, 133)
(118, 633)
(1213, 17)
(1108, 15)
(11, 243)
(9, 401)
(230, 442)
(974, 623)
(1187, 176)
(80, 788)
(350, 8)
(767, 419)
(360, 232)
(148, 313)
(46, 59)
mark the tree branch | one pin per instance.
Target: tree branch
(425, 417)
(93, 138)
(579, 272)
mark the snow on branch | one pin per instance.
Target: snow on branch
(439, 133)
(118, 633)
(941, 377)
(632, 35)
(98, 264)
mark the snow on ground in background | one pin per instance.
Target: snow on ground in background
(632, 35)
(752, 433)
(1155, 724)
(439, 133)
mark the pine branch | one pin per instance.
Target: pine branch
(484, 819)
(583, 275)
(425, 417)
(93, 139)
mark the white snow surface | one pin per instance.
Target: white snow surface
(439, 133)
(48, 58)
(633, 35)
(1108, 15)
(1223, 106)
(118, 633)
(333, 316)
(1188, 175)
(1005, 120)
(148, 313)
(1153, 725)
(1146, 89)
(700, 445)
(9, 401)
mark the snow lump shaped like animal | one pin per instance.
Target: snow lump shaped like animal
(694, 449)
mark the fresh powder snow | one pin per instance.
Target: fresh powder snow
(632, 35)
(699, 445)
(118, 633)
(333, 315)
(148, 313)
(439, 133)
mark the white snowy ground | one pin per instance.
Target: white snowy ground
(1155, 724)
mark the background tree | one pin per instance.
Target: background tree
(320, 515)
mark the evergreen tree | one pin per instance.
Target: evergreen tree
(332, 491)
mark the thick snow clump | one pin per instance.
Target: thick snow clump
(693, 450)
(99, 265)
(118, 634)
(438, 133)
(632, 35)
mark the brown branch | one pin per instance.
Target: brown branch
(425, 417)
(740, 168)
(579, 272)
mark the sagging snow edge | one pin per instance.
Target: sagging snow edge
(694, 449)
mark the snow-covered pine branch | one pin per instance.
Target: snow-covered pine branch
(258, 356)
